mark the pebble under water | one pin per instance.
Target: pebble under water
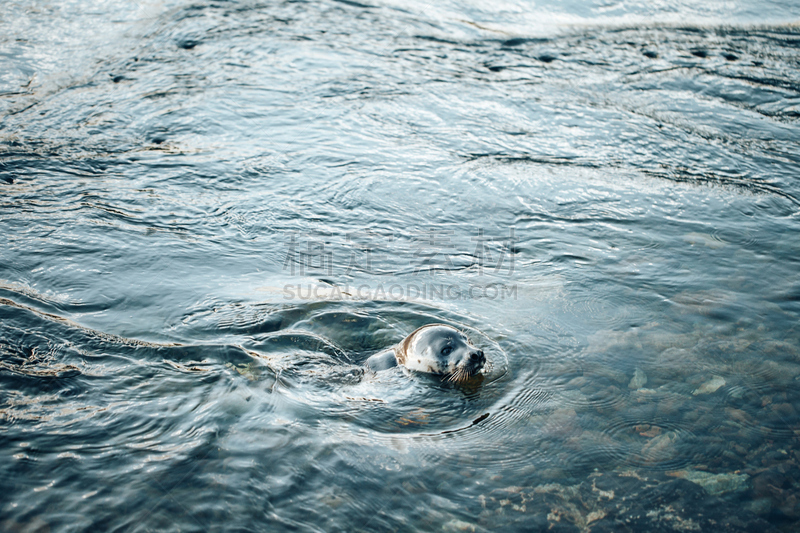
(213, 212)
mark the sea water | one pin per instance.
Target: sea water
(213, 212)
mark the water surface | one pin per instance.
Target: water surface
(214, 212)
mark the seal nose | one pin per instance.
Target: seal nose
(477, 357)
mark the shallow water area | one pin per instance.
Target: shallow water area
(215, 212)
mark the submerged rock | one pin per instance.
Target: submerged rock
(710, 386)
(251, 371)
(661, 448)
(703, 239)
(459, 525)
(715, 484)
(639, 379)
(760, 506)
(624, 501)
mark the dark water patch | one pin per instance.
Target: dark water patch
(521, 41)
(526, 158)
(435, 39)
(188, 44)
(351, 3)
(749, 185)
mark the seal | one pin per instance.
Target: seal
(433, 349)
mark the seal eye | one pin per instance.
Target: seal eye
(446, 350)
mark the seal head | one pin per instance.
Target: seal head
(440, 349)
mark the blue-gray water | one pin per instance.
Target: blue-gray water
(214, 212)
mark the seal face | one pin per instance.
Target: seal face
(434, 349)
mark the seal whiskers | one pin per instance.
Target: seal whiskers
(460, 374)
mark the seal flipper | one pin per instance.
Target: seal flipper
(382, 360)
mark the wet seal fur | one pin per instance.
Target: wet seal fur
(433, 349)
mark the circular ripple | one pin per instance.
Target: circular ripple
(611, 311)
(657, 444)
(318, 355)
(741, 237)
(503, 434)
